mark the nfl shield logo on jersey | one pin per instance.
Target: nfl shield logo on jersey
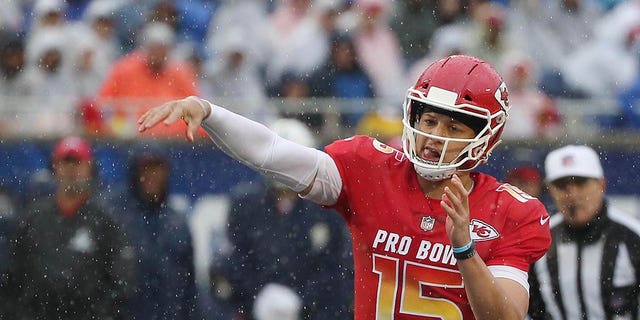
(427, 223)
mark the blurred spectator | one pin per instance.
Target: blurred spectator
(452, 11)
(532, 113)
(182, 16)
(620, 25)
(342, 77)
(234, 75)
(71, 259)
(52, 99)
(553, 40)
(307, 48)
(629, 98)
(294, 89)
(195, 17)
(629, 101)
(86, 73)
(11, 16)
(530, 33)
(102, 47)
(188, 19)
(526, 178)
(290, 242)
(151, 66)
(490, 35)
(571, 22)
(144, 78)
(615, 24)
(613, 60)
(164, 11)
(414, 21)
(132, 17)
(49, 65)
(169, 12)
(197, 60)
(12, 65)
(282, 25)
(446, 41)
(160, 238)
(228, 21)
(378, 50)
(8, 210)
(286, 17)
(48, 14)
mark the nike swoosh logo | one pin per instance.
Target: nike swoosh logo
(544, 220)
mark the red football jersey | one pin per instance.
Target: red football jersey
(404, 264)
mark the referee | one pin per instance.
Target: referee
(592, 269)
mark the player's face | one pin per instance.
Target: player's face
(437, 124)
(578, 199)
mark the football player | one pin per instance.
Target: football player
(431, 238)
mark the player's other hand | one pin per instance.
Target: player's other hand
(192, 110)
(455, 201)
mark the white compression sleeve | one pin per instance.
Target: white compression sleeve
(261, 149)
(328, 184)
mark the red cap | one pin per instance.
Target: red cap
(633, 35)
(72, 147)
(495, 22)
(525, 173)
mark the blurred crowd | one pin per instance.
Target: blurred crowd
(98, 64)
(73, 247)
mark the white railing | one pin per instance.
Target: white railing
(31, 117)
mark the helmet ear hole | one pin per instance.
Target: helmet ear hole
(468, 97)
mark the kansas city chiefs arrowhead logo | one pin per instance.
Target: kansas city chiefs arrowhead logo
(502, 96)
(482, 231)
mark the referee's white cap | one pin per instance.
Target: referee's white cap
(573, 161)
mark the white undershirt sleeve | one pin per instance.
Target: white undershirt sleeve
(261, 149)
(328, 184)
(512, 273)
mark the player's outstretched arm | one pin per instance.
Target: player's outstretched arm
(305, 170)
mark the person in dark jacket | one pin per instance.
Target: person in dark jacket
(165, 283)
(343, 77)
(280, 239)
(71, 260)
(8, 210)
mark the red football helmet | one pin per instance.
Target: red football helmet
(467, 89)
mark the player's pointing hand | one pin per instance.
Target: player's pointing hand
(192, 110)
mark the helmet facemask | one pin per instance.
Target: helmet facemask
(473, 154)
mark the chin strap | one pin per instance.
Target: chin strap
(434, 174)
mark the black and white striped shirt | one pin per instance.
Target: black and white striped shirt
(592, 273)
